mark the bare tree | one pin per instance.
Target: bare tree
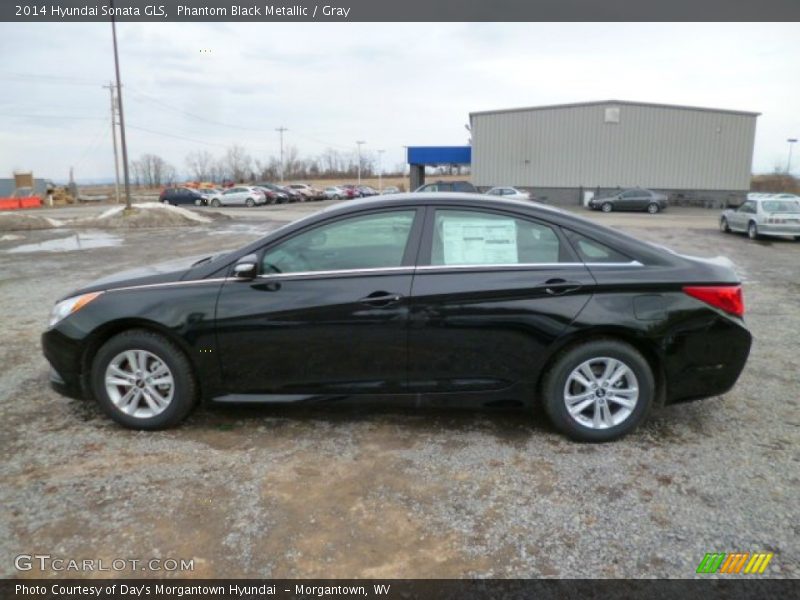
(200, 164)
(153, 171)
(238, 163)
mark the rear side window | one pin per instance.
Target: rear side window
(590, 251)
(465, 237)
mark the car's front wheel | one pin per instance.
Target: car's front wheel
(249, 203)
(143, 381)
(215, 203)
(723, 225)
(653, 208)
(598, 391)
(607, 207)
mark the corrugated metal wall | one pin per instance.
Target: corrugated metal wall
(651, 146)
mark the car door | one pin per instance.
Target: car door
(740, 217)
(491, 292)
(626, 200)
(235, 195)
(328, 312)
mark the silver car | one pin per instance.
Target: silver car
(240, 195)
(763, 215)
(509, 192)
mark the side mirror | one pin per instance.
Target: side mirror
(246, 267)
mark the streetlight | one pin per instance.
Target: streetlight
(358, 143)
(380, 170)
(791, 141)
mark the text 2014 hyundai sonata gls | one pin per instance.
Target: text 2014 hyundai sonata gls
(454, 299)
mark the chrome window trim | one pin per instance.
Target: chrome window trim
(371, 271)
(168, 284)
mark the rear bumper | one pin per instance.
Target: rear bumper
(767, 229)
(706, 362)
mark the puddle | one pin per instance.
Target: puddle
(78, 241)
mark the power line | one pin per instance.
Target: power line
(177, 137)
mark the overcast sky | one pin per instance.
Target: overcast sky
(388, 84)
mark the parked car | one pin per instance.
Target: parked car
(272, 197)
(448, 186)
(310, 192)
(509, 192)
(208, 193)
(334, 192)
(366, 191)
(281, 195)
(631, 199)
(764, 215)
(350, 190)
(392, 189)
(454, 299)
(240, 195)
(182, 195)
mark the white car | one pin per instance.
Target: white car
(765, 215)
(240, 195)
(509, 192)
(334, 192)
(311, 193)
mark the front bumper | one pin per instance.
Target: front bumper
(63, 354)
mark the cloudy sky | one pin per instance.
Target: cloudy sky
(388, 84)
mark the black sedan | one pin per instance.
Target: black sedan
(632, 199)
(453, 299)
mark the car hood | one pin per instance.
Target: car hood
(173, 270)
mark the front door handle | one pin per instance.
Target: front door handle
(381, 299)
(558, 286)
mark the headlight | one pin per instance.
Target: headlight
(66, 307)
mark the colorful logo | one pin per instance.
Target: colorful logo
(736, 562)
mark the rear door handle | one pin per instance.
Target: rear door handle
(558, 286)
(381, 299)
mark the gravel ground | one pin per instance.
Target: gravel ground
(369, 492)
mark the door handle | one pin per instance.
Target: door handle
(558, 286)
(380, 299)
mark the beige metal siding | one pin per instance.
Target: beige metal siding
(656, 147)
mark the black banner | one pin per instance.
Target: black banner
(733, 588)
(399, 10)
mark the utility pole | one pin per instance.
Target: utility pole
(110, 87)
(121, 113)
(280, 130)
(359, 143)
(792, 142)
(380, 170)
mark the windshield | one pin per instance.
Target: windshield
(782, 206)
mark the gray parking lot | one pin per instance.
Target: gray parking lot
(372, 492)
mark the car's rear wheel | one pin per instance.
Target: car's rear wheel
(249, 203)
(653, 208)
(143, 381)
(215, 203)
(607, 207)
(752, 230)
(598, 391)
(198, 202)
(723, 225)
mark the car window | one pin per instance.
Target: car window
(783, 206)
(371, 241)
(748, 207)
(630, 194)
(482, 238)
(590, 251)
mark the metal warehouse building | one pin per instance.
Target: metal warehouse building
(564, 152)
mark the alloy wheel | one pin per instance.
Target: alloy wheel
(601, 393)
(139, 383)
(607, 207)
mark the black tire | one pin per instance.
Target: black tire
(185, 387)
(607, 207)
(653, 208)
(723, 225)
(249, 203)
(215, 203)
(752, 231)
(553, 389)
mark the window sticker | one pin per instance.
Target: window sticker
(479, 241)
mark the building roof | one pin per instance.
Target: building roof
(619, 102)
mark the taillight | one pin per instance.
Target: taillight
(725, 297)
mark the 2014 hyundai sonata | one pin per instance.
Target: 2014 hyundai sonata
(453, 299)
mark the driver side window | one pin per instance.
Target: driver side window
(371, 241)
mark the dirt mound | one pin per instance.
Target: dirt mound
(17, 222)
(147, 214)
